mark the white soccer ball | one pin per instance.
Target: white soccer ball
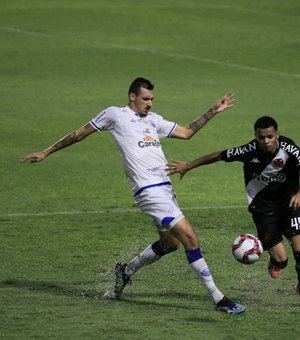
(247, 248)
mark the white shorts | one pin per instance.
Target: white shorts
(160, 203)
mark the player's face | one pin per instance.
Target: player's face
(142, 102)
(267, 139)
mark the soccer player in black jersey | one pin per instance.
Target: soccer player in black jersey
(271, 173)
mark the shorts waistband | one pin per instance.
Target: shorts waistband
(151, 186)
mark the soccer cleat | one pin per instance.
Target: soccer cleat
(121, 279)
(228, 306)
(273, 271)
(298, 289)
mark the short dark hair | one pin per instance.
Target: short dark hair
(265, 122)
(136, 85)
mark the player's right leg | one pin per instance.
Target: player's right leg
(123, 271)
(165, 245)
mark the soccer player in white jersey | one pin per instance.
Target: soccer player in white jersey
(137, 132)
(271, 172)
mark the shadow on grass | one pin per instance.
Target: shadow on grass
(50, 287)
(180, 300)
(159, 299)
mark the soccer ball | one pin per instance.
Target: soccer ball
(247, 248)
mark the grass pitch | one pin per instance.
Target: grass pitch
(65, 221)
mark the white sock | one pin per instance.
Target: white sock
(203, 272)
(143, 259)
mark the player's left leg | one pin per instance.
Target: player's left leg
(278, 260)
(269, 232)
(186, 234)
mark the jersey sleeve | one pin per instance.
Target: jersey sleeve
(291, 148)
(224, 156)
(105, 120)
(239, 153)
(164, 127)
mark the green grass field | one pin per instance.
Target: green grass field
(67, 220)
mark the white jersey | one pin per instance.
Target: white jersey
(138, 139)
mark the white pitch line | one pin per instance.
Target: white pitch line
(110, 211)
(173, 55)
(210, 61)
(249, 10)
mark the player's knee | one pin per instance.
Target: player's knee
(169, 247)
(163, 248)
(173, 247)
(192, 240)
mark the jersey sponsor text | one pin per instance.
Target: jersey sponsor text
(269, 179)
(241, 150)
(148, 142)
(292, 149)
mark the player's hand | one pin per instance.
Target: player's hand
(177, 167)
(224, 103)
(33, 157)
(295, 201)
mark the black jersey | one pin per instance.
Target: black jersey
(270, 180)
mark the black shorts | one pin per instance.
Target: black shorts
(271, 227)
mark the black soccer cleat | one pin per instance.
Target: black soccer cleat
(228, 306)
(121, 279)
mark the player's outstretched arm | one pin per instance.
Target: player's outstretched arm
(71, 138)
(186, 132)
(183, 167)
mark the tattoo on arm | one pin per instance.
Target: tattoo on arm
(64, 142)
(201, 121)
